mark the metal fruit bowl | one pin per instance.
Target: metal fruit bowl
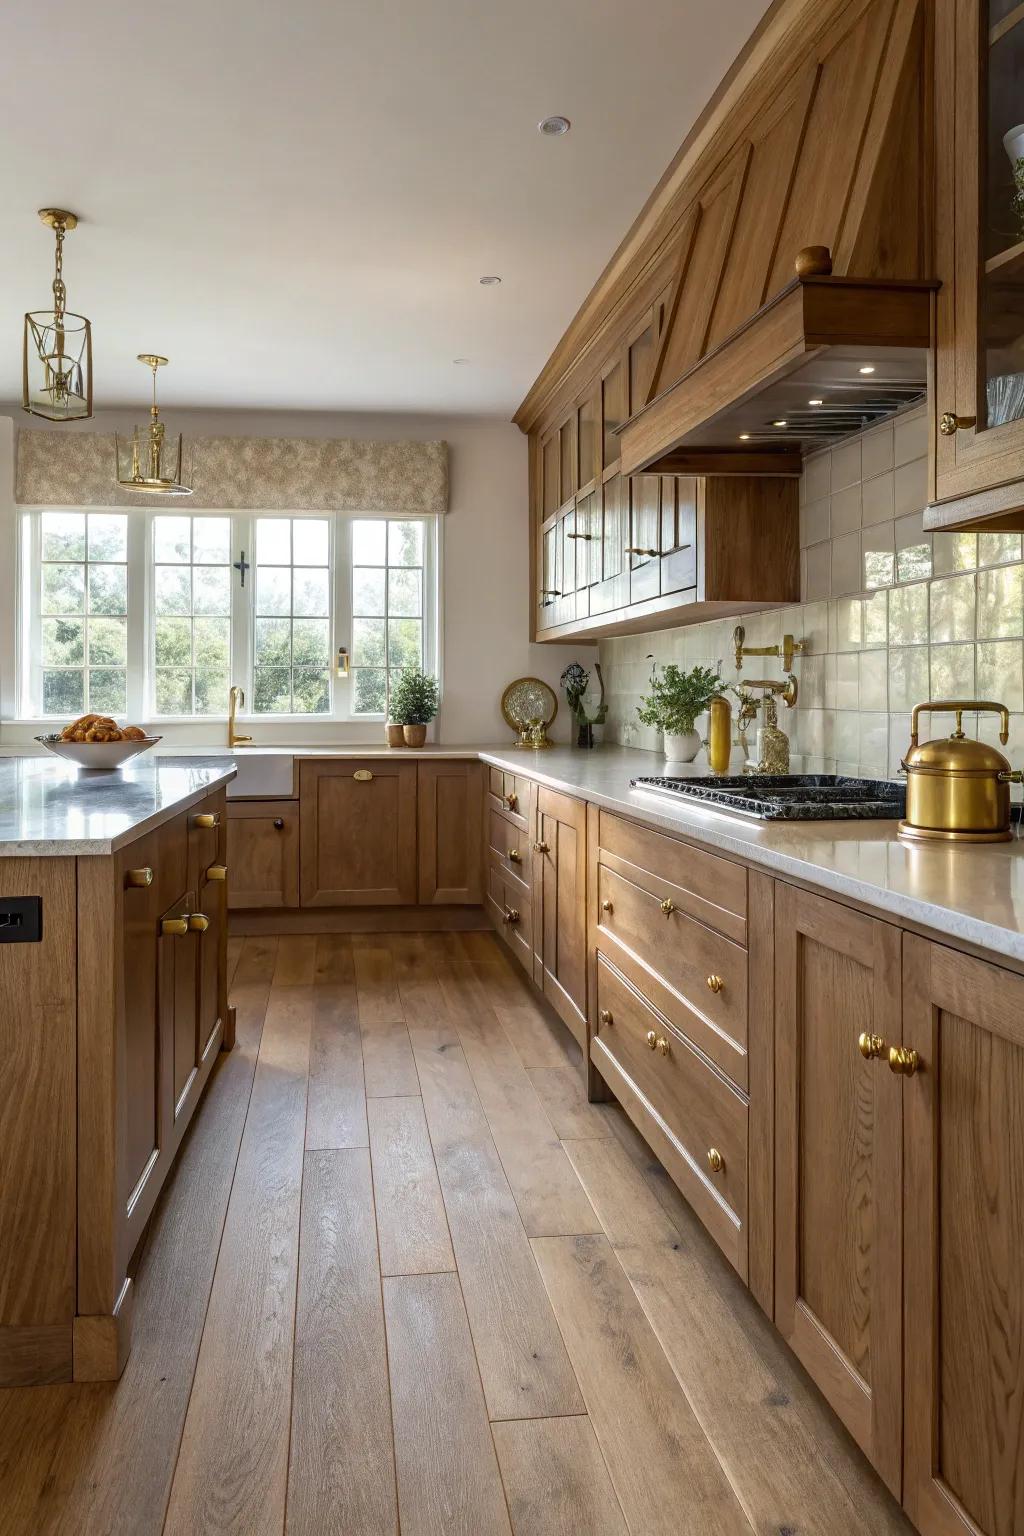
(96, 754)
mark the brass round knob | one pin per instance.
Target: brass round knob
(652, 1040)
(903, 1061)
(813, 261)
(716, 1162)
(206, 819)
(540, 847)
(174, 927)
(198, 922)
(664, 1045)
(668, 906)
(607, 906)
(950, 423)
(139, 877)
(606, 1016)
(511, 915)
(871, 1046)
(514, 856)
(715, 983)
(511, 801)
(217, 872)
(278, 823)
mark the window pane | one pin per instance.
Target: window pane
(273, 590)
(63, 588)
(368, 591)
(211, 540)
(108, 690)
(405, 543)
(310, 541)
(311, 591)
(108, 642)
(272, 690)
(405, 592)
(368, 642)
(212, 686)
(369, 541)
(404, 643)
(274, 541)
(63, 693)
(311, 643)
(173, 691)
(273, 642)
(369, 691)
(63, 642)
(173, 590)
(108, 589)
(172, 540)
(63, 535)
(211, 589)
(211, 640)
(173, 642)
(108, 536)
(311, 692)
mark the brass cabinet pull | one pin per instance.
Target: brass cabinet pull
(716, 1162)
(174, 927)
(903, 1061)
(950, 423)
(870, 1046)
(652, 1040)
(579, 535)
(514, 856)
(511, 916)
(206, 819)
(198, 922)
(511, 801)
(664, 1045)
(668, 906)
(550, 592)
(606, 1016)
(217, 872)
(633, 549)
(715, 983)
(139, 877)
(362, 775)
(607, 906)
(278, 823)
(540, 848)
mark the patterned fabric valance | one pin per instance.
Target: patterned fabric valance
(76, 469)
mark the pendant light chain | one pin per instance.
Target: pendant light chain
(59, 291)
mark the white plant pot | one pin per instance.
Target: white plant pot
(681, 746)
(1013, 143)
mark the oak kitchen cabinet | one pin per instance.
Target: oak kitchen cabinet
(560, 905)
(448, 792)
(263, 853)
(357, 832)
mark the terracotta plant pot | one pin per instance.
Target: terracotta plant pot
(395, 734)
(415, 735)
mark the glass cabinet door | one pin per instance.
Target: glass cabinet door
(1001, 354)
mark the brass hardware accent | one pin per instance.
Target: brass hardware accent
(579, 535)
(511, 801)
(950, 423)
(958, 789)
(174, 927)
(278, 823)
(668, 906)
(362, 775)
(217, 872)
(634, 549)
(606, 1016)
(514, 856)
(716, 1162)
(652, 1040)
(871, 1046)
(715, 983)
(206, 819)
(813, 261)
(56, 362)
(528, 707)
(140, 460)
(903, 1061)
(541, 848)
(549, 592)
(719, 735)
(788, 649)
(139, 877)
(198, 922)
(664, 1045)
(236, 701)
(511, 916)
(607, 906)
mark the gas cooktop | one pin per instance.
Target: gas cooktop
(787, 797)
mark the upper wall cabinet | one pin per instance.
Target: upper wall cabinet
(979, 377)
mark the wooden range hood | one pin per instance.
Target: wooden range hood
(823, 359)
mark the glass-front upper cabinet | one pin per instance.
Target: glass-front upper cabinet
(979, 394)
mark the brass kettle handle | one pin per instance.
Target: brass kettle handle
(950, 423)
(957, 707)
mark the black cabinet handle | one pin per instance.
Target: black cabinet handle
(278, 822)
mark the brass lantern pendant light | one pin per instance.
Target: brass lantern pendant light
(148, 461)
(57, 353)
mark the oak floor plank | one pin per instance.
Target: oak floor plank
(341, 1478)
(523, 1363)
(388, 1065)
(556, 1481)
(563, 1093)
(296, 960)
(411, 1223)
(423, 1004)
(336, 1112)
(234, 955)
(536, 1031)
(99, 1458)
(233, 1463)
(664, 1472)
(448, 1479)
(785, 1453)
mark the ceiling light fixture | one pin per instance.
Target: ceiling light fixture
(780, 423)
(141, 465)
(744, 437)
(459, 362)
(56, 367)
(868, 368)
(815, 402)
(553, 127)
(490, 282)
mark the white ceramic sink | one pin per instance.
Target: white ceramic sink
(262, 774)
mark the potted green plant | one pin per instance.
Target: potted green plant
(414, 703)
(673, 702)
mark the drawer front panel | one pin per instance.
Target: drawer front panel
(509, 845)
(511, 796)
(704, 1118)
(712, 890)
(503, 900)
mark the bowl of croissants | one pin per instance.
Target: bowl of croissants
(97, 741)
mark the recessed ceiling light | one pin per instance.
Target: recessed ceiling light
(490, 282)
(868, 368)
(744, 436)
(815, 402)
(459, 362)
(552, 127)
(780, 423)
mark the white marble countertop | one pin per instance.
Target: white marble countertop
(52, 808)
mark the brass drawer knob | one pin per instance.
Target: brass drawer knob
(174, 927)
(715, 983)
(514, 856)
(607, 906)
(206, 819)
(668, 906)
(664, 1045)
(652, 1040)
(606, 1016)
(950, 423)
(511, 916)
(363, 776)
(903, 1061)
(278, 823)
(511, 801)
(139, 877)
(716, 1162)
(870, 1046)
(540, 848)
(217, 872)
(198, 922)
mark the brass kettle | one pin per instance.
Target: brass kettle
(958, 790)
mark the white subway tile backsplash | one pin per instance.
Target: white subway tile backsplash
(878, 552)
(952, 609)
(845, 510)
(951, 674)
(913, 549)
(1000, 602)
(908, 615)
(846, 571)
(816, 481)
(877, 500)
(814, 522)
(954, 552)
(876, 449)
(874, 680)
(846, 465)
(908, 675)
(1000, 672)
(998, 548)
(817, 581)
(910, 487)
(910, 436)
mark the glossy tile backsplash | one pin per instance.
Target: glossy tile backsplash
(892, 616)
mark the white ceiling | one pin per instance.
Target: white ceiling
(295, 201)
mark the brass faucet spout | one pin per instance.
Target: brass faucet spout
(236, 700)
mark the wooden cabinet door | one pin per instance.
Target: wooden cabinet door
(837, 1163)
(963, 1116)
(178, 1002)
(560, 899)
(357, 833)
(448, 797)
(263, 853)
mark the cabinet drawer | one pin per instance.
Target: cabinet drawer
(693, 1119)
(511, 795)
(509, 846)
(511, 915)
(711, 889)
(694, 975)
(263, 853)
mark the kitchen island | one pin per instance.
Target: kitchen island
(112, 1011)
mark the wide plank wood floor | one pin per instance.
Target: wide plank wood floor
(404, 1279)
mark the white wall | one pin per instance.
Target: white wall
(486, 546)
